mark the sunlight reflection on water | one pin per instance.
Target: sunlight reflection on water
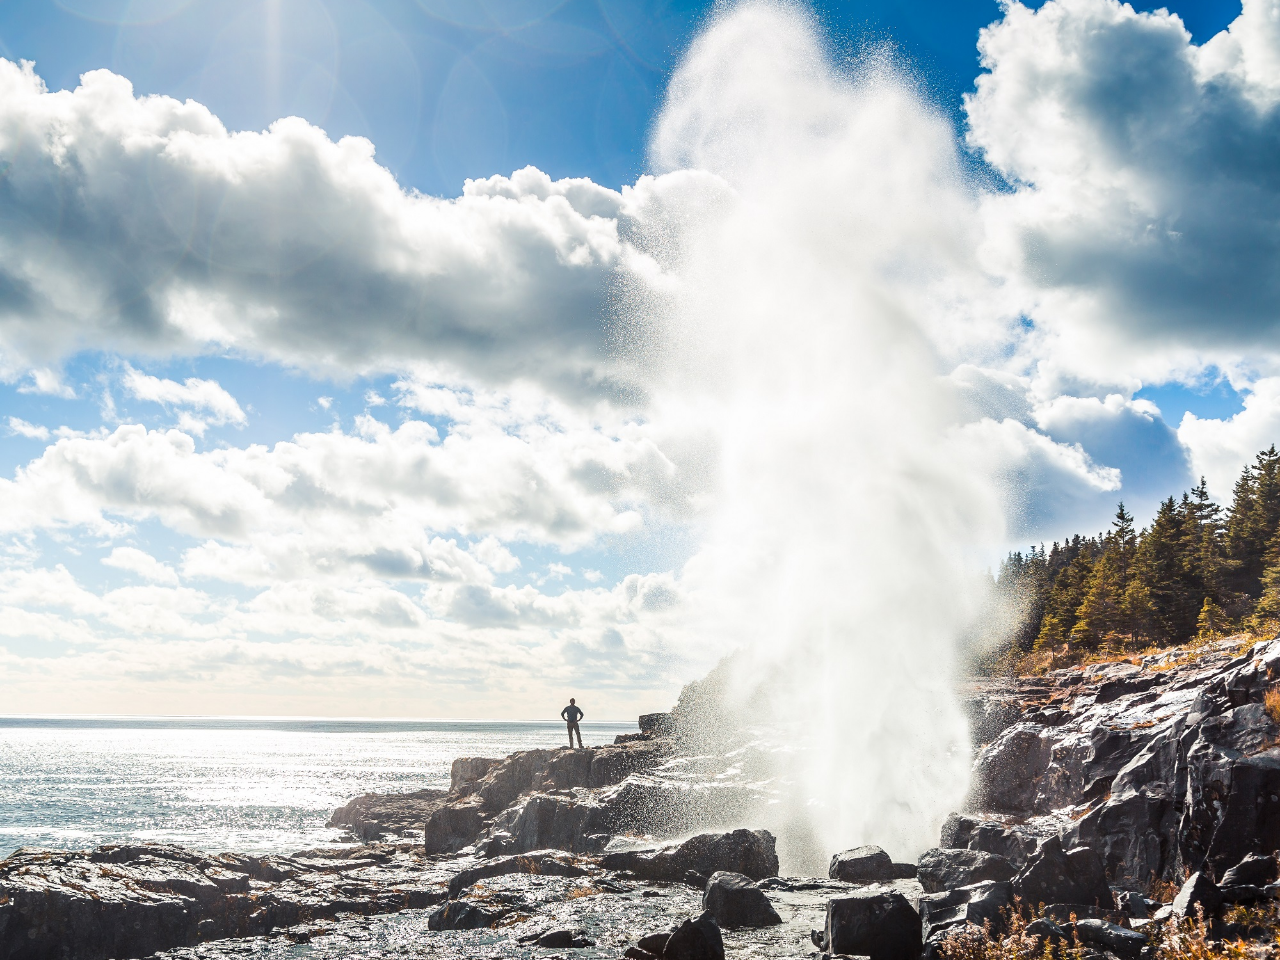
(227, 784)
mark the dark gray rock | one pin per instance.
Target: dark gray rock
(749, 852)
(976, 904)
(654, 942)
(1254, 870)
(541, 822)
(698, 938)
(734, 901)
(547, 863)
(460, 915)
(1133, 905)
(1047, 931)
(561, 939)
(1242, 894)
(881, 926)
(1054, 875)
(941, 869)
(1198, 893)
(1126, 944)
(868, 864)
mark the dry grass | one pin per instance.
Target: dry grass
(1175, 940)
(578, 892)
(1161, 891)
(1189, 940)
(1271, 701)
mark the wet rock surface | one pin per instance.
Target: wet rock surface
(1091, 783)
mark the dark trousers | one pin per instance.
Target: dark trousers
(573, 729)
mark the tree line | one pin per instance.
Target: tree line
(1197, 571)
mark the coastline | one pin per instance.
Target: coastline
(604, 850)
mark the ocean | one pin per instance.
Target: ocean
(246, 784)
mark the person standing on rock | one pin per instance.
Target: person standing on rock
(571, 715)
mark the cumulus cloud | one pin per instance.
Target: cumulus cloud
(1220, 448)
(32, 431)
(141, 563)
(207, 397)
(46, 381)
(1144, 224)
(141, 223)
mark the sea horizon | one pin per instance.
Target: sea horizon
(249, 784)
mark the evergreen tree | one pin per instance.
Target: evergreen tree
(1268, 608)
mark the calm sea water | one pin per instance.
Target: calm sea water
(250, 785)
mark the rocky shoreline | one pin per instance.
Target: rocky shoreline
(1118, 795)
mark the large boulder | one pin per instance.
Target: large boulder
(1124, 943)
(974, 904)
(941, 869)
(1254, 870)
(1055, 875)
(733, 900)
(1199, 894)
(869, 864)
(749, 852)
(698, 938)
(881, 926)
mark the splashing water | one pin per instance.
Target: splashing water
(802, 280)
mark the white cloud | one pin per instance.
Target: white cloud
(49, 382)
(216, 405)
(1219, 449)
(1144, 224)
(141, 563)
(32, 431)
(284, 244)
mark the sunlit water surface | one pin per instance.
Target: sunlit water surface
(249, 785)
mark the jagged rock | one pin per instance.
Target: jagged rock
(1057, 876)
(1199, 892)
(1126, 944)
(941, 869)
(460, 915)
(547, 863)
(452, 827)
(657, 724)
(541, 822)
(374, 814)
(467, 772)
(698, 938)
(749, 852)
(1243, 894)
(734, 901)
(989, 718)
(959, 832)
(868, 864)
(976, 904)
(1133, 905)
(881, 926)
(1254, 870)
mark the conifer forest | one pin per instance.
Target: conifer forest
(1199, 571)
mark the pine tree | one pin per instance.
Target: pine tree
(1212, 622)
(1267, 610)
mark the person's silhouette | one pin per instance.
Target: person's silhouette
(571, 715)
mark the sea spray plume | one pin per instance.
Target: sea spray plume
(823, 210)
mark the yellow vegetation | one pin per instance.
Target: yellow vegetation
(1272, 703)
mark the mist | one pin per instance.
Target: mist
(790, 335)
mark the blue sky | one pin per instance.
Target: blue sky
(277, 407)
